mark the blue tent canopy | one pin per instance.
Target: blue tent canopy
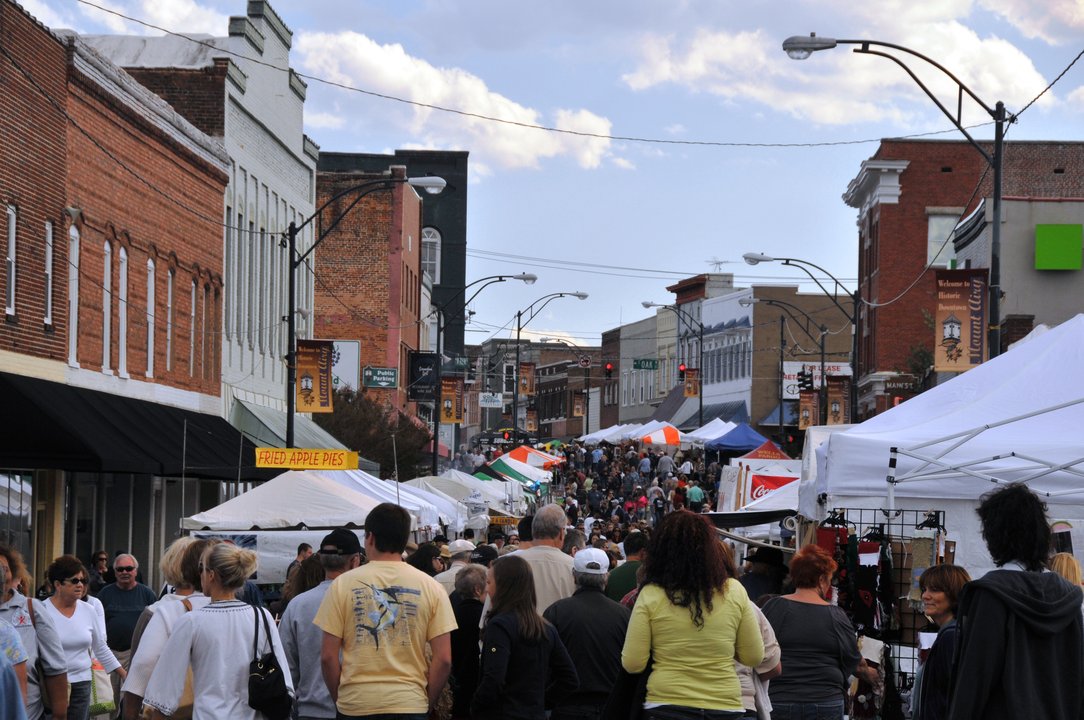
(741, 439)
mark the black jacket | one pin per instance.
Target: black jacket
(592, 627)
(518, 676)
(1021, 654)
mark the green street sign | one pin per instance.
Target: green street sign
(379, 377)
(645, 364)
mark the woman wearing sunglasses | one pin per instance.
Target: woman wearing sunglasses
(77, 626)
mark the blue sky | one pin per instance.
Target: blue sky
(704, 80)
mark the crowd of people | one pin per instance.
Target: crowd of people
(648, 618)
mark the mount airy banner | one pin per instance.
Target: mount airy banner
(314, 383)
(960, 321)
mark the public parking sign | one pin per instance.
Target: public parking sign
(379, 377)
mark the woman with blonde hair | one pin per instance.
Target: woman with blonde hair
(1066, 565)
(216, 640)
(180, 568)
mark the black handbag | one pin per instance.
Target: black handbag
(626, 701)
(267, 691)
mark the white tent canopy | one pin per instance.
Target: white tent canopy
(600, 435)
(1017, 417)
(465, 517)
(410, 498)
(495, 492)
(716, 428)
(290, 500)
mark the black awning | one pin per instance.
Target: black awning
(54, 426)
(749, 518)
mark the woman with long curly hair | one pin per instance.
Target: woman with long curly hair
(819, 646)
(692, 619)
(524, 661)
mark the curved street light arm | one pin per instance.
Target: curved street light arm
(787, 308)
(800, 264)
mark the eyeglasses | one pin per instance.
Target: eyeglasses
(103, 558)
(74, 581)
(126, 568)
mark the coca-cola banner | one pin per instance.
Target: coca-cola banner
(761, 485)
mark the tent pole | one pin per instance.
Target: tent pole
(891, 479)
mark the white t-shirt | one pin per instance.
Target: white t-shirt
(166, 613)
(80, 636)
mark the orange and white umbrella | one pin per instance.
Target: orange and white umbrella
(665, 435)
(534, 458)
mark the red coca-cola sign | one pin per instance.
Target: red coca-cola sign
(761, 485)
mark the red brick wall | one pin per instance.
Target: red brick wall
(368, 274)
(940, 174)
(199, 94)
(168, 211)
(32, 166)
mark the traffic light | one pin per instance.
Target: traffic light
(507, 435)
(805, 380)
(681, 372)
(609, 370)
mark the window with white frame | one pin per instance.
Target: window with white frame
(192, 331)
(940, 250)
(169, 320)
(431, 253)
(204, 366)
(263, 281)
(73, 296)
(150, 318)
(107, 306)
(48, 318)
(9, 291)
(122, 314)
(230, 262)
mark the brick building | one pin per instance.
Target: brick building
(231, 88)
(368, 271)
(112, 346)
(910, 196)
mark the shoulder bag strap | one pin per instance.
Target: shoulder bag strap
(30, 607)
(256, 634)
(187, 605)
(266, 629)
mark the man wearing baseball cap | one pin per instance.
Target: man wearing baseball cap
(459, 553)
(592, 627)
(339, 551)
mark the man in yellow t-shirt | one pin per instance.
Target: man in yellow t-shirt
(380, 617)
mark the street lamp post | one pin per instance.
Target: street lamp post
(432, 185)
(800, 47)
(530, 311)
(700, 350)
(528, 278)
(585, 361)
(819, 339)
(852, 316)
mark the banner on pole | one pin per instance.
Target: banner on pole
(692, 382)
(960, 322)
(314, 382)
(451, 400)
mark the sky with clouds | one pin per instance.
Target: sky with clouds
(679, 137)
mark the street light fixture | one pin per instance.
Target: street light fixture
(700, 348)
(527, 278)
(430, 184)
(531, 311)
(852, 316)
(800, 47)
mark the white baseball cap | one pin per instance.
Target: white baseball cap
(591, 561)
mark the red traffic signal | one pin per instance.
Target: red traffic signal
(609, 367)
(507, 435)
(681, 372)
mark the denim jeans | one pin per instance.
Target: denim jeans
(79, 701)
(808, 711)
(680, 712)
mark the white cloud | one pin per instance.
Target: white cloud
(355, 60)
(838, 87)
(1053, 21)
(1076, 98)
(324, 120)
(186, 14)
(675, 129)
(623, 163)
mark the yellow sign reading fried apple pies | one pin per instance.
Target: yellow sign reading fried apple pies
(306, 459)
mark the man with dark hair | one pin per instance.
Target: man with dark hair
(340, 552)
(304, 551)
(1021, 654)
(592, 628)
(622, 580)
(377, 620)
(525, 531)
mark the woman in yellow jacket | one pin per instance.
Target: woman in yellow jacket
(692, 619)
